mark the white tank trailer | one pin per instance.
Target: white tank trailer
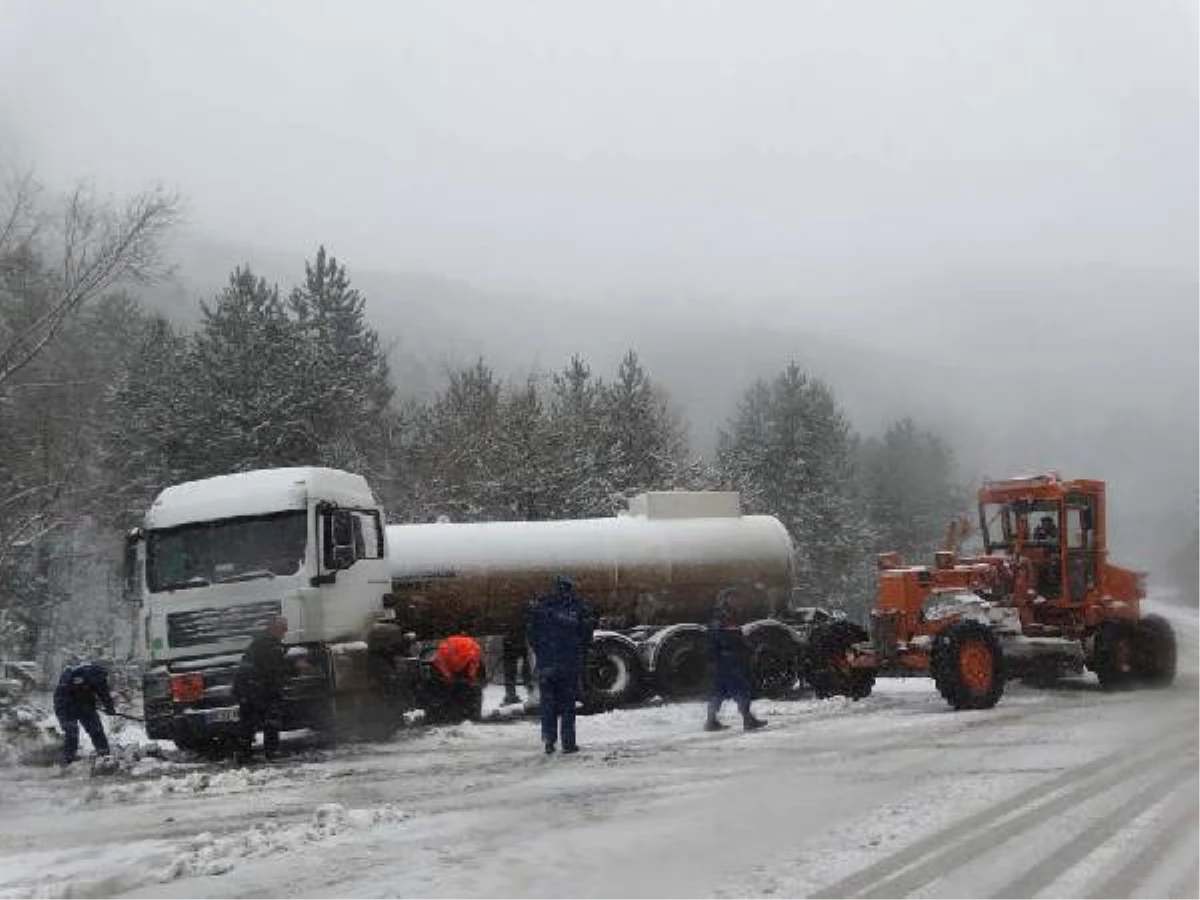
(651, 575)
(216, 558)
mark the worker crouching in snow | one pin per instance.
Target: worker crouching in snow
(453, 681)
(80, 688)
(730, 656)
(560, 629)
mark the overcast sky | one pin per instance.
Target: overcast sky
(990, 207)
(747, 147)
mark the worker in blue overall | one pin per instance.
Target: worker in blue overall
(559, 626)
(79, 690)
(730, 657)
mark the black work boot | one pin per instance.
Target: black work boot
(549, 747)
(749, 723)
(510, 699)
(712, 723)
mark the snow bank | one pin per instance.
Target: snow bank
(28, 735)
(207, 854)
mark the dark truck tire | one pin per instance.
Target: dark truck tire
(193, 742)
(774, 659)
(1115, 656)
(967, 664)
(612, 675)
(681, 666)
(1154, 656)
(828, 671)
(372, 715)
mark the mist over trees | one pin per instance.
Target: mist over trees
(103, 403)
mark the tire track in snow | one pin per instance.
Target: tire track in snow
(1166, 841)
(911, 867)
(1078, 848)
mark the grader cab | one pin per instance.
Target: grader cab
(1039, 600)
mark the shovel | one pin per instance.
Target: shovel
(121, 715)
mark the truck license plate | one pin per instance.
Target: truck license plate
(222, 715)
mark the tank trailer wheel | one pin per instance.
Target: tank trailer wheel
(1115, 659)
(681, 667)
(1154, 648)
(612, 676)
(774, 659)
(829, 672)
(967, 664)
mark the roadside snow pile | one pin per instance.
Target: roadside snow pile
(161, 778)
(28, 736)
(207, 854)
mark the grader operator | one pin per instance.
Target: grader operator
(1040, 600)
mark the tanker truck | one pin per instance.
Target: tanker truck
(216, 558)
(651, 575)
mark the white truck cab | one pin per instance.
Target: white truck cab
(216, 558)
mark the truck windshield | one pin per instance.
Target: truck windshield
(228, 550)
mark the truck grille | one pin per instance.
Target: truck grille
(211, 626)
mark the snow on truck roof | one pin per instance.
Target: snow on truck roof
(443, 549)
(255, 493)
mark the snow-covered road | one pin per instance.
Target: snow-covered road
(1063, 792)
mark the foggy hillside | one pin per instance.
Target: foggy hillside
(1021, 371)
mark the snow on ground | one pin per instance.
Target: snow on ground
(1061, 792)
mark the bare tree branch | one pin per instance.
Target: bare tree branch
(101, 246)
(19, 224)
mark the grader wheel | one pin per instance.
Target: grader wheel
(1154, 651)
(1116, 658)
(967, 665)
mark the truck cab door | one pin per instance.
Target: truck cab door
(1080, 547)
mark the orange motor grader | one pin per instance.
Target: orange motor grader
(1040, 600)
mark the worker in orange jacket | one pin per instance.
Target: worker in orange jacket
(454, 681)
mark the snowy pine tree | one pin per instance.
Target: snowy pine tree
(579, 485)
(461, 449)
(252, 393)
(908, 478)
(346, 385)
(148, 440)
(645, 444)
(525, 453)
(790, 452)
